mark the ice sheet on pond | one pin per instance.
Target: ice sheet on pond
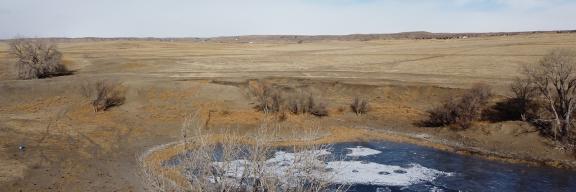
(340, 172)
(360, 151)
(369, 173)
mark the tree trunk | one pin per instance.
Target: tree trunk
(557, 118)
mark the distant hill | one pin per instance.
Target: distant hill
(304, 38)
(367, 37)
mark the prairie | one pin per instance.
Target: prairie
(69, 147)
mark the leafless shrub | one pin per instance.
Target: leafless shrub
(460, 112)
(270, 99)
(104, 95)
(267, 97)
(359, 106)
(296, 103)
(443, 115)
(37, 59)
(229, 163)
(304, 102)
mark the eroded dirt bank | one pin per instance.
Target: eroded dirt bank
(69, 147)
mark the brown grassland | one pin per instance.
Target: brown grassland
(70, 147)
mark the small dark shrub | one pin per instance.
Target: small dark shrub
(37, 59)
(104, 95)
(282, 117)
(225, 112)
(460, 112)
(319, 110)
(443, 115)
(359, 106)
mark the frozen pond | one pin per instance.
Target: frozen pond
(462, 173)
(387, 166)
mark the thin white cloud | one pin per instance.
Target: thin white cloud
(203, 18)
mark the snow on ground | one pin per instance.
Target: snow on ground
(360, 151)
(341, 172)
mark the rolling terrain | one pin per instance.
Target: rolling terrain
(69, 147)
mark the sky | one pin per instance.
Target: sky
(210, 18)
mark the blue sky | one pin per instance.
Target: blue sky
(208, 18)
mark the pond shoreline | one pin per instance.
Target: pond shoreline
(155, 157)
(459, 148)
(160, 153)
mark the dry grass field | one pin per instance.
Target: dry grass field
(69, 147)
(454, 62)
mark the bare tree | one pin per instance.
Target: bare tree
(37, 59)
(554, 76)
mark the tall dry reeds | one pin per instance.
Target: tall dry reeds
(229, 162)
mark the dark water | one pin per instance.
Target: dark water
(470, 173)
(467, 173)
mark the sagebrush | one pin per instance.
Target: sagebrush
(104, 94)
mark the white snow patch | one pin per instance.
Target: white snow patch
(280, 165)
(341, 172)
(360, 151)
(357, 172)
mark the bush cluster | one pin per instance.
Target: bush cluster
(270, 99)
(460, 112)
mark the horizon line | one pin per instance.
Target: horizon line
(279, 35)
